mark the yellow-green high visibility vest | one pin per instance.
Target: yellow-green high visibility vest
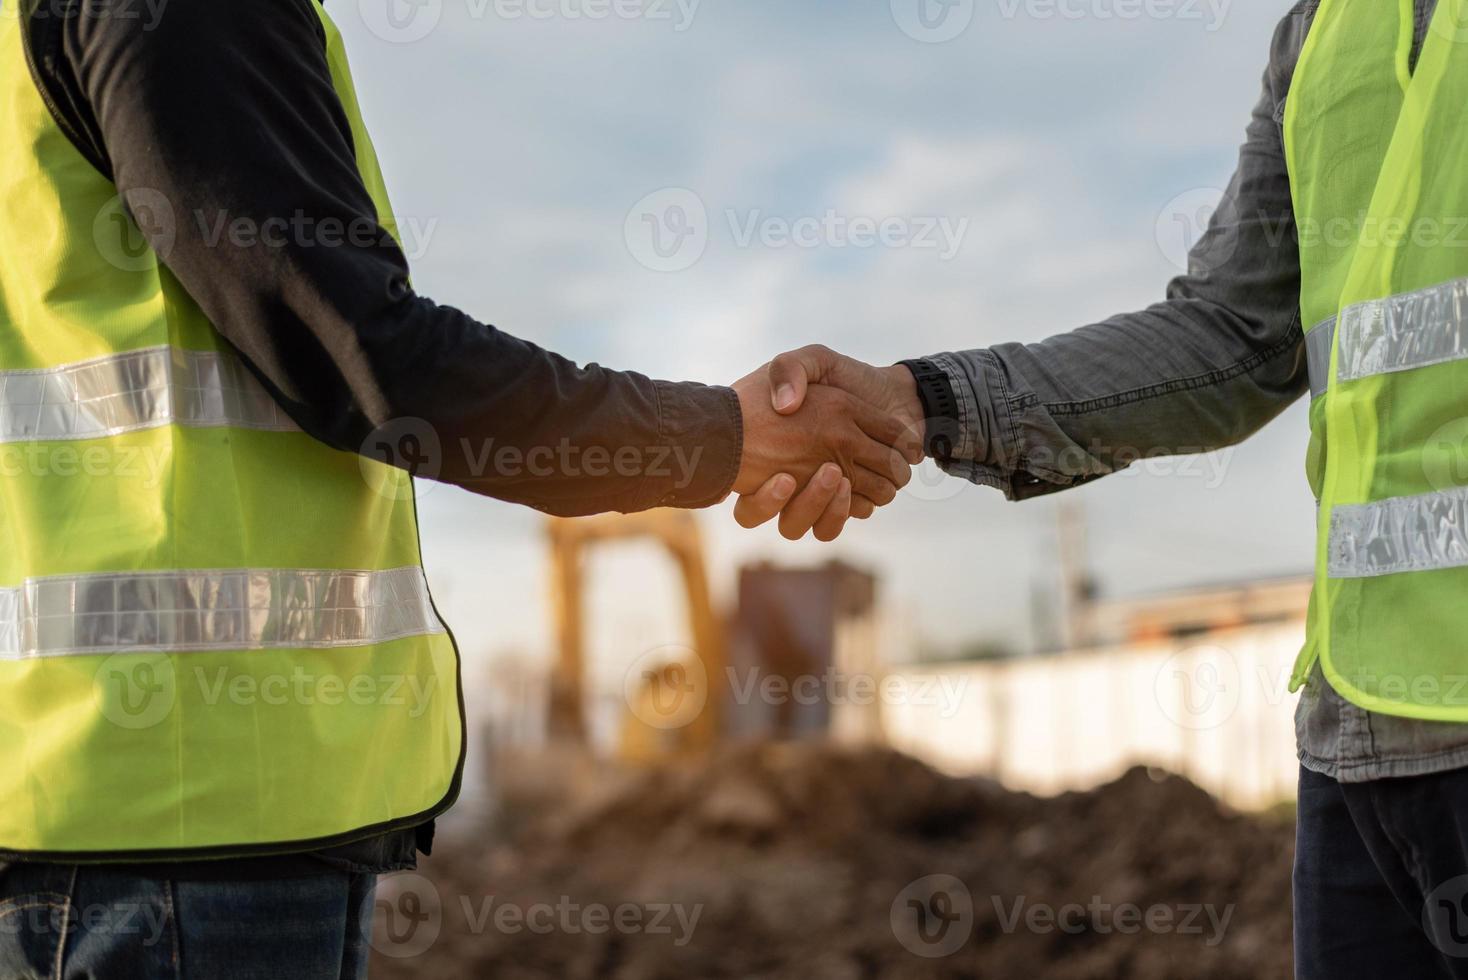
(1378, 162)
(215, 633)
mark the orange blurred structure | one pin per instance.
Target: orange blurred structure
(678, 532)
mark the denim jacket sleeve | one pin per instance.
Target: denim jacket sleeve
(1207, 367)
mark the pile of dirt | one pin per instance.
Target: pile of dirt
(819, 863)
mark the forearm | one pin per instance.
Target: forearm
(518, 423)
(1178, 378)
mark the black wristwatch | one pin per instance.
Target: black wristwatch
(940, 408)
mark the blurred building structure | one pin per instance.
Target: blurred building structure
(1194, 681)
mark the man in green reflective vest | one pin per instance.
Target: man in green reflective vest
(1336, 268)
(226, 698)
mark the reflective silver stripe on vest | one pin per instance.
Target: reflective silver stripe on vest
(140, 389)
(217, 609)
(1399, 333)
(1317, 355)
(1403, 534)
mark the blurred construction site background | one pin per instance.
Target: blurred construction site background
(778, 797)
(971, 739)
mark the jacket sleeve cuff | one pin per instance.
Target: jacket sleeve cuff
(987, 446)
(966, 447)
(702, 432)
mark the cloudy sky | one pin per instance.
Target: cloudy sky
(1038, 161)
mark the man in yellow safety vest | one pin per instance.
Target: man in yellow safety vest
(226, 698)
(1337, 267)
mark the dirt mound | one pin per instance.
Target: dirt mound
(812, 862)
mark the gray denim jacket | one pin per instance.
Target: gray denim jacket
(1221, 356)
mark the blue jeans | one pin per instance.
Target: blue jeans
(1381, 877)
(64, 921)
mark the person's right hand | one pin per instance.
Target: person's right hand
(831, 427)
(892, 391)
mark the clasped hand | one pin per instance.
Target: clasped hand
(826, 438)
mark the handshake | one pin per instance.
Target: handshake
(826, 438)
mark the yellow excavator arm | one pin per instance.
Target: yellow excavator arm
(678, 532)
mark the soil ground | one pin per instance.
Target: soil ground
(811, 862)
